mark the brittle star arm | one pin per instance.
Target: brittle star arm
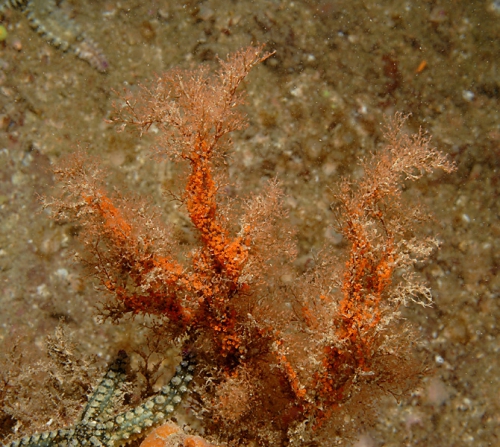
(120, 429)
(59, 29)
(100, 404)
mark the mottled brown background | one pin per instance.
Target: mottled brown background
(318, 105)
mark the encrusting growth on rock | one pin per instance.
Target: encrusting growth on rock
(313, 354)
(170, 435)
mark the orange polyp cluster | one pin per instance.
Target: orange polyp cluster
(113, 219)
(366, 279)
(122, 234)
(293, 379)
(201, 193)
